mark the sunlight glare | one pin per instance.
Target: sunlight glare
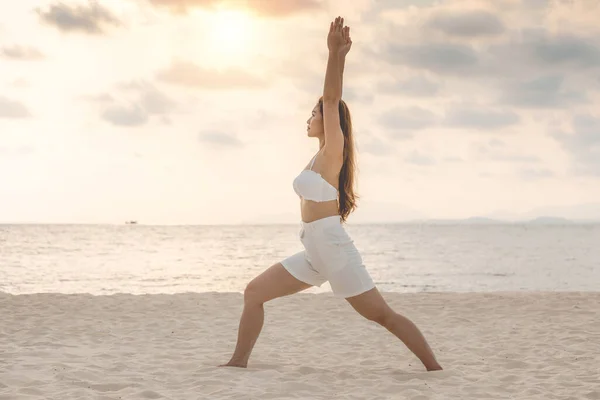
(232, 34)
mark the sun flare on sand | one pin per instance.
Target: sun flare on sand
(232, 34)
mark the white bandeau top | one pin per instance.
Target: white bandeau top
(310, 185)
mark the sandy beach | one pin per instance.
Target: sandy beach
(313, 346)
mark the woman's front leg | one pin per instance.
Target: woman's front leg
(275, 282)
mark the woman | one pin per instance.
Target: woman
(325, 188)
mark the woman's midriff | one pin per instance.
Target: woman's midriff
(312, 211)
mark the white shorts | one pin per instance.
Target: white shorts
(329, 255)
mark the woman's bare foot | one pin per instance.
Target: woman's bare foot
(437, 367)
(235, 364)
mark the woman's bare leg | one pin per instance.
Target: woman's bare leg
(372, 306)
(275, 282)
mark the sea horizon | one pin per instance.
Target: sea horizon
(428, 221)
(146, 259)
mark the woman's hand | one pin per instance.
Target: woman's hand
(335, 39)
(347, 41)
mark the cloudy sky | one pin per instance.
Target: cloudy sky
(194, 111)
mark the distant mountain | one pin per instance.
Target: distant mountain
(378, 212)
(480, 221)
(585, 212)
(393, 213)
(467, 221)
(550, 221)
(548, 215)
(491, 221)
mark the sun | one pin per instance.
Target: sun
(232, 34)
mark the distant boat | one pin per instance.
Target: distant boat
(130, 222)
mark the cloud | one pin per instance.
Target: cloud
(453, 159)
(527, 52)
(20, 83)
(188, 74)
(156, 102)
(12, 109)
(152, 100)
(382, 8)
(542, 92)
(496, 143)
(583, 144)
(514, 158)
(147, 100)
(400, 4)
(25, 150)
(98, 98)
(532, 174)
(90, 19)
(417, 158)
(20, 151)
(564, 49)
(496, 150)
(352, 94)
(220, 139)
(125, 116)
(416, 86)
(475, 117)
(444, 58)
(471, 23)
(267, 8)
(400, 119)
(22, 53)
(519, 54)
(375, 146)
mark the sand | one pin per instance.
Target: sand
(313, 346)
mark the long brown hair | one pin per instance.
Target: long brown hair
(347, 197)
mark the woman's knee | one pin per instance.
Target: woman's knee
(252, 293)
(380, 315)
(373, 307)
(275, 282)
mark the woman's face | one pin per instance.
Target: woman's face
(315, 123)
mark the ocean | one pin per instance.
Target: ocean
(140, 259)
